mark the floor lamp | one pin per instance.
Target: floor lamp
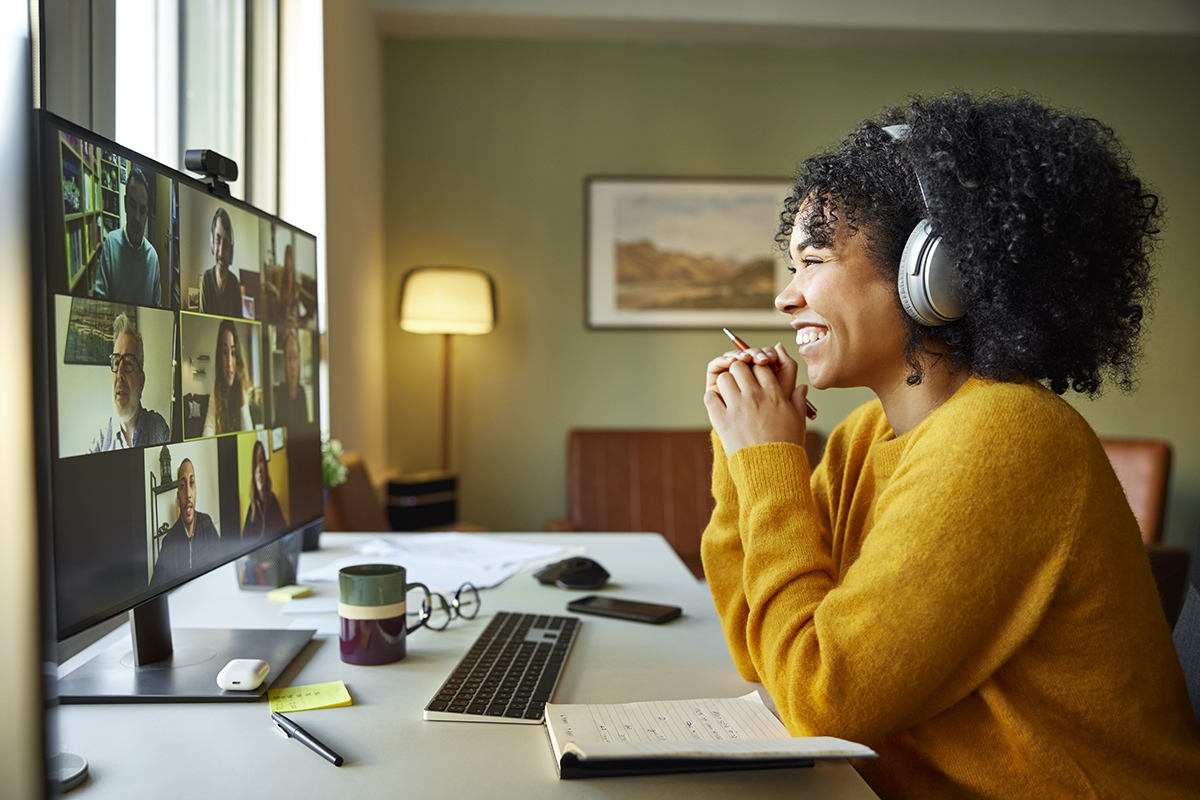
(447, 300)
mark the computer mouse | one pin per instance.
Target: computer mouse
(243, 674)
(574, 573)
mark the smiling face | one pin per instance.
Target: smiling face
(222, 245)
(227, 357)
(848, 323)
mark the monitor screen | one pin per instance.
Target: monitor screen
(181, 327)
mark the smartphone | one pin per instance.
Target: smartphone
(624, 609)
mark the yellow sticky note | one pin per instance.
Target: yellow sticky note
(306, 698)
(286, 593)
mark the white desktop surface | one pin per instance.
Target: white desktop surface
(233, 750)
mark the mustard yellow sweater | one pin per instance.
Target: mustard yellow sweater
(972, 600)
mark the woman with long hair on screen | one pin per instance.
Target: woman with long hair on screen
(229, 405)
(959, 582)
(264, 517)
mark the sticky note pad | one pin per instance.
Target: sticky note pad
(285, 593)
(306, 698)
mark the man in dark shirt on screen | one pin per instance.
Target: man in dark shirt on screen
(291, 403)
(220, 291)
(193, 540)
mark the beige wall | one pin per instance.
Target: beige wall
(487, 145)
(354, 277)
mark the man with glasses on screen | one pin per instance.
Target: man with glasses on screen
(128, 270)
(193, 540)
(131, 425)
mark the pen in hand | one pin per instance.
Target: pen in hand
(294, 731)
(811, 412)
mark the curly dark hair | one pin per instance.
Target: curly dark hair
(1051, 232)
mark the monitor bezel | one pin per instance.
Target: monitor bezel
(47, 126)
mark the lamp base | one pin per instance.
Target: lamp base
(422, 500)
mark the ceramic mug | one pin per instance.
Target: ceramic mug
(372, 609)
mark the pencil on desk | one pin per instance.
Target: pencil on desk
(812, 410)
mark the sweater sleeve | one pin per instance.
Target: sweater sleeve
(959, 556)
(722, 555)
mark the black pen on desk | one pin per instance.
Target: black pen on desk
(812, 410)
(305, 738)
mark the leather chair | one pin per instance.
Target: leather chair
(1144, 468)
(354, 505)
(654, 480)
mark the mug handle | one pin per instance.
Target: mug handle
(426, 607)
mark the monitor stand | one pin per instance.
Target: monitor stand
(160, 665)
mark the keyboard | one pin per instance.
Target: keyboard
(509, 674)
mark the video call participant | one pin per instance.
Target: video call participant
(193, 540)
(291, 403)
(264, 517)
(959, 583)
(128, 271)
(232, 394)
(287, 310)
(131, 425)
(220, 291)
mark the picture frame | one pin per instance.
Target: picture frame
(665, 252)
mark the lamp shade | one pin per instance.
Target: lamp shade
(447, 300)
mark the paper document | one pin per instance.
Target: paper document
(444, 561)
(320, 626)
(730, 729)
(311, 605)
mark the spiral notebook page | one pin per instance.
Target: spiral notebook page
(737, 727)
(679, 721)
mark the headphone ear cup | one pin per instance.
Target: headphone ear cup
(930, 290)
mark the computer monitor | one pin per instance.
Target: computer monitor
(180, 428)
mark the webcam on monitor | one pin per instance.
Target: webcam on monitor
(217, 170)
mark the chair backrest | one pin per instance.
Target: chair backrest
(354, 505)
(653, 480)
(1144, 468)
(1187, 639)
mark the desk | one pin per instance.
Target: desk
(233, 751)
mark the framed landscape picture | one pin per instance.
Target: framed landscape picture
(684, 252)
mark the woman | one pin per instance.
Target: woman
(264, 517)
(229, 406)
(959, 583)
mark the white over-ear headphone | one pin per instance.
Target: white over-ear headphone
(930, 290)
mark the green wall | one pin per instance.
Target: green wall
(487, 146)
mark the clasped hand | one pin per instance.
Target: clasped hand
(752, 398)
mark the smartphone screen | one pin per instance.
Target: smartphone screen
(624, 609)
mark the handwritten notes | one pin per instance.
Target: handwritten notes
(727, 729)
(668, 721)
(306, 698)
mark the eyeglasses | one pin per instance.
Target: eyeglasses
(125, 362)
(440, 612)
